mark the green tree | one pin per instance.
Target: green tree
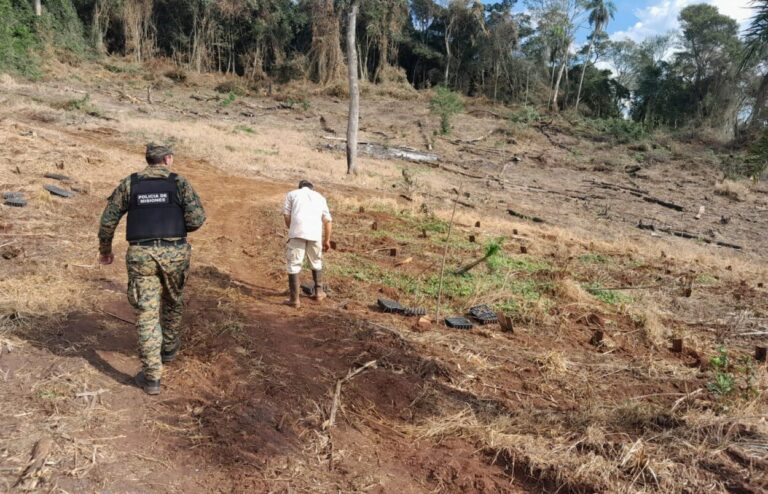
(445, 104)
(557, 21)
(600, 13)
(709, 63)
(756, 53)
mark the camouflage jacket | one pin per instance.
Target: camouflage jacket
(118, 202)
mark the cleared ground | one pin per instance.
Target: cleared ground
(543, 408)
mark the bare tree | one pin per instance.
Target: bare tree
(354, 91)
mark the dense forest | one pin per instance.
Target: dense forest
(709, 75)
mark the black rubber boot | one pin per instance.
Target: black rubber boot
(293, 289)
(317, 276)
(170, 355)
(151, 387)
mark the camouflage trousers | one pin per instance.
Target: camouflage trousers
(156, 277)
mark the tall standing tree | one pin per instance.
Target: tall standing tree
(557, 20)
(756, 52)
(600, 13)
(325, 56)
(38, 8)
(354, 91)
(709, 63)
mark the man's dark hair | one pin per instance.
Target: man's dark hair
(157, 153)
(306, 183)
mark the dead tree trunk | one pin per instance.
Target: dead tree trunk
(354, 92)
(38, 8)
(555, 92)
(760, 99)
(583, 71)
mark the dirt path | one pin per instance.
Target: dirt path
(242, 409)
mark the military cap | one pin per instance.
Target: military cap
(156, 152)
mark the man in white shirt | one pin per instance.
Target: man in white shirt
(309, 226)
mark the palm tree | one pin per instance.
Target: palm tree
(756, 51)
(600, 12)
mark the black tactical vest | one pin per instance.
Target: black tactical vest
(154, 211)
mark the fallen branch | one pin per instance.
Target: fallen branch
(337, 393)
(532, 395)
(540, 128)
(27, 235)
(132, 99)
(469, 141)
(607, 185)
(30, 478)
(525, 217)
(86, 394)
(753, 333)
(658, 201)
(686, 397)
(688, 235)
(493, 114)
(378, 150)
(617, 288)
(117, 317)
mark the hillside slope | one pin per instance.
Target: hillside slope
(585, 395)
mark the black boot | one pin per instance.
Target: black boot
(293, 288)
(151, 387)
(317, 276)
(168, 356)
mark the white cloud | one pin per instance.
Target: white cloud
(661, 17)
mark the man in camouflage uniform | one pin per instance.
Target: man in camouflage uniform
(162, 207)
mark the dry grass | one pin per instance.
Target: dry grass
(650, 321)
(44, 294)
(733, 190)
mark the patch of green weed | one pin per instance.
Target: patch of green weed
(525, 115)
(245, 128)
(47, 394)
(612, 297)
(84, 105)
(504, 262)
(706, 279)
(231, 97)
(593, 258)
(723, 382)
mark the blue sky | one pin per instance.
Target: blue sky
(638, 19)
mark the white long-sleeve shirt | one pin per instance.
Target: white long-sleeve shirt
(308, 209)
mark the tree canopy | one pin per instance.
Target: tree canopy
(705, 75)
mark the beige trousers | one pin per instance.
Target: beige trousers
(297, 248)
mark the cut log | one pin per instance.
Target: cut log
(660, 202)
(487, 112)
(607, 185)
(377, 150)
(688, 235)
(525, 217)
